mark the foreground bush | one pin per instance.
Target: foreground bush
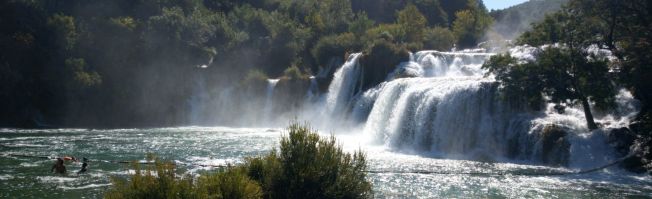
(157, 181)
(305, 166)
(308, 166)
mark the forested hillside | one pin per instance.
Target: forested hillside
(134, 63)
(513, 21)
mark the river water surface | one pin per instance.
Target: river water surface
(25, 165)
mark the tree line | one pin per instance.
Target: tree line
(126, 62)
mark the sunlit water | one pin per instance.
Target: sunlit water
(393, 174)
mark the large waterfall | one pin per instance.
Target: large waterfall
(442, 104)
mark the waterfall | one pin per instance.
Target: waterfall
(343, 87)
(313, 90)
(439, 64)
(197, 101)
(448, 115)
(441, 103)
(269, 100)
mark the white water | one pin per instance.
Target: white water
(342, 88)
(269, 100)
(195, 149)
(441, 104)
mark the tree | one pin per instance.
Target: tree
(565, 75)
(439, 38)
(433, 11)
(413, 22)
(471, 24)
(360, 24)
(547, 31)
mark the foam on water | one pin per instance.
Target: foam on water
(441, 104)
(191, 148)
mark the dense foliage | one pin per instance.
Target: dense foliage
(100, 63)
(161, 181)
(308, 166)
(622, 27)
(566, 76)
(305, 166)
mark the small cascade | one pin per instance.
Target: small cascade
(439, 64)
(313, 90)
(343, 87)
(269, 100)
(198, 101)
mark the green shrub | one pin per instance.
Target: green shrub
(160, 181)
(124, 22)
(439, 38)
(232, 183)
(334, 46)
(387, 32)
(81, 77)
(255, 75)
(305, 166)
(381, 59)
(309, 166)
(413, 23)
(156, 181)
(295, 73)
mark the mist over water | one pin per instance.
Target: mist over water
(437, 127)
(441, 104)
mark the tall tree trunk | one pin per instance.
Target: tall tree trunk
(587, 113)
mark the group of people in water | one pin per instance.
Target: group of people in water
(60, 168)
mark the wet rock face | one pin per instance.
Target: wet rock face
(621, 139)
(325, 75)
(555, 146)
(625, 141)
(290, 93)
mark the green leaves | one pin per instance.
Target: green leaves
(413, 22)
(306, 166)
(64, 29)
(81, 76)
(564, 75)
(471, 24)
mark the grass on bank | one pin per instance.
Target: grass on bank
(304, 166)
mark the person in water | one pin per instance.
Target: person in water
(84, 165)
(58, 167)
(71, 158)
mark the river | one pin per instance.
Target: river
(26, 168)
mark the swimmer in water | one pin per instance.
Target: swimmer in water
(84, 165)
(71, 158)
(58, 167)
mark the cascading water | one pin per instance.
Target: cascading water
(442, 104)
(446, 107)
(198, 101)
(343, 87)
(313, 90)
(269, 100)
(438, 64)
